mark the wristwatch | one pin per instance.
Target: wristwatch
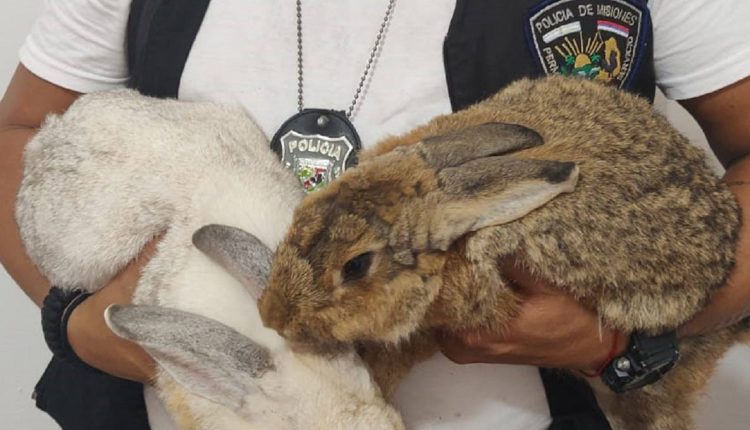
(647, 359)
(56, 310)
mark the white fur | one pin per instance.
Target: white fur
(118, 169)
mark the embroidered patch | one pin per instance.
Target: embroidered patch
(598, 40)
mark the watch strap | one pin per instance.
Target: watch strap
(57, 308)
(656, 352)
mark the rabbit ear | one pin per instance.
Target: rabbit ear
(476, 142)
(493, 191)
(201, 354)
(239, 252)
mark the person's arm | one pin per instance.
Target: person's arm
(724, 117)
(27, 101)
(553, 330)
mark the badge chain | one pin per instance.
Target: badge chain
(368, 68)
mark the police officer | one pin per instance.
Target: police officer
(431, 57)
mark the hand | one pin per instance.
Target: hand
(551, 330)
(95, 343)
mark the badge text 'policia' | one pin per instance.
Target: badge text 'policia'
(332, 149)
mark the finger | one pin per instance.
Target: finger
(149, 249)
(459, 356)
(457, 350)
(479, 341)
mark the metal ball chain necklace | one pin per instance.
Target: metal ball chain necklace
(320, 144)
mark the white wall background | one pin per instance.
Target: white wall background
(23, 355)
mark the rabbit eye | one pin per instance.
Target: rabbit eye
(357, 267)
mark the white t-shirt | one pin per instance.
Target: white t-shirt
(245, 54)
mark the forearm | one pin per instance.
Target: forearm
(90, 337)
(732, 302)
(12, 254)
(95, 343)
(26, 102)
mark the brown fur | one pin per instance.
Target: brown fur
(645, 238)
(175, 400)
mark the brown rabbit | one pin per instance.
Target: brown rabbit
(408, 242)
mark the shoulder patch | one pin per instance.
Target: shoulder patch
(598, 40)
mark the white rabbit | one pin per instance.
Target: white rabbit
(118, 169)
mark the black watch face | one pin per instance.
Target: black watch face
(647, 361)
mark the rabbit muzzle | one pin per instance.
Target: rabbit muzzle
(304, 332)
(275, 312)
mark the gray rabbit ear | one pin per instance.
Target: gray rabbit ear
(204, 356)
(493, 191)
(239, 252)
(477, 142)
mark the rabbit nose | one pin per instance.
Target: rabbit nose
(275, 311)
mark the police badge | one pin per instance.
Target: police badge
(318, 145)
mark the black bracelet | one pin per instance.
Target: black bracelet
(56, 311)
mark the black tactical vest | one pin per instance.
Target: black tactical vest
(493, 43)
(489, 44)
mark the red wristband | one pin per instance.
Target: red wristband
(610, 356)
